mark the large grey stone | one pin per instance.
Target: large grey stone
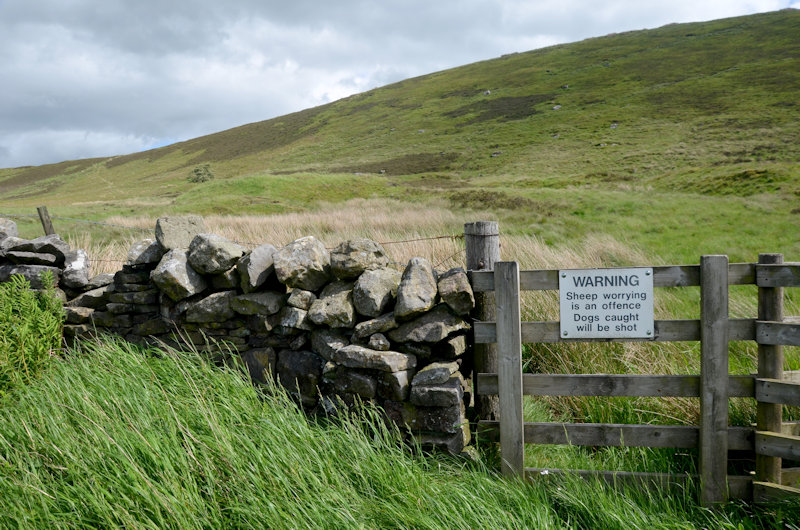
(417, 291)
(363, 385)
(334, 307)
(148, 297)
(145, 252)
(382, 324)
(264, 303)
(301, 373)
(51, 244)
(441, 419)
(435, 373)
(213, 254)
(31, 258)
(175, 277)
(225, 280)
(32, 273)
(177, 232)
(292, 317)
(452, 347)
(301, 299)
(434, 326)
(378, 342)
(256, 267)
(395, 385)
(261, 363)
(354, 356)
(447, 394)
(326, 342)
(78, 315)
(94, 298)
(375, 290)
(303, 263)
(215, 307)
(76, 269)
(352, 257)
(456, 292)
(101, 280)
(8, 228)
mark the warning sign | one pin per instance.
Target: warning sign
(606, 303)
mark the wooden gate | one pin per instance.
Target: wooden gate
(770, 441)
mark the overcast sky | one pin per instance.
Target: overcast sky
(85, 78)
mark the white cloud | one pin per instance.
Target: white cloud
(86, 78)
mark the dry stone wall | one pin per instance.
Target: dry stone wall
(332, 327)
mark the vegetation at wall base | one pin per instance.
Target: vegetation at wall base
(30, 331)
(117, 436)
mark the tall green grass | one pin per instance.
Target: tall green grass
(116, 436)
(30, 331)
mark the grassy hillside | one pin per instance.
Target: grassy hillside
(679, 135)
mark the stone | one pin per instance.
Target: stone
(225, 281)
(452, 347)
(101, 280)
(51, 244)
(353, 257)
(134, 287)
(375, 290)
(326, 342)
(301, 373)
(301, 299)
(452, 443)
(435, 373)
(417, 291)
(334, 307)
(456, 292)
(395, 385)
(102, 319)
(291, 317)
(213, 254)
(8, 228)
(357, 383)
(402, 413)
(95, 298)
(256, 267)
(441, 419)
(299, 341)
(447, 394)
(177, 232)
(382, 324)
(261, 363)
(434, 326)
(354, 356)
(30, 258)
(138, 277)
(264, 303)
(175, 277)
(417, 349)
(78, 315)
(151, 326)
(145, 252)
(31, 273)
(148, 297)
(215, 307)
(303, 263)
(379, 342)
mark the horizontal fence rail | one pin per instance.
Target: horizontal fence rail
(769, 441)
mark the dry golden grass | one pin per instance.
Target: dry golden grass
(408, 230)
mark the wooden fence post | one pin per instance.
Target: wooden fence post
(482, 241)
(770, 366)
(713, 379)
(509, 373)
(44, 217)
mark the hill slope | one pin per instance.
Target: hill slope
(706, 109)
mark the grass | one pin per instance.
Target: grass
(115, 436)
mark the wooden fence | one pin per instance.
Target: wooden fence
(770, 441)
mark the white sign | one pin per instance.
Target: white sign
(606, 303)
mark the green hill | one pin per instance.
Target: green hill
(689, 121)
